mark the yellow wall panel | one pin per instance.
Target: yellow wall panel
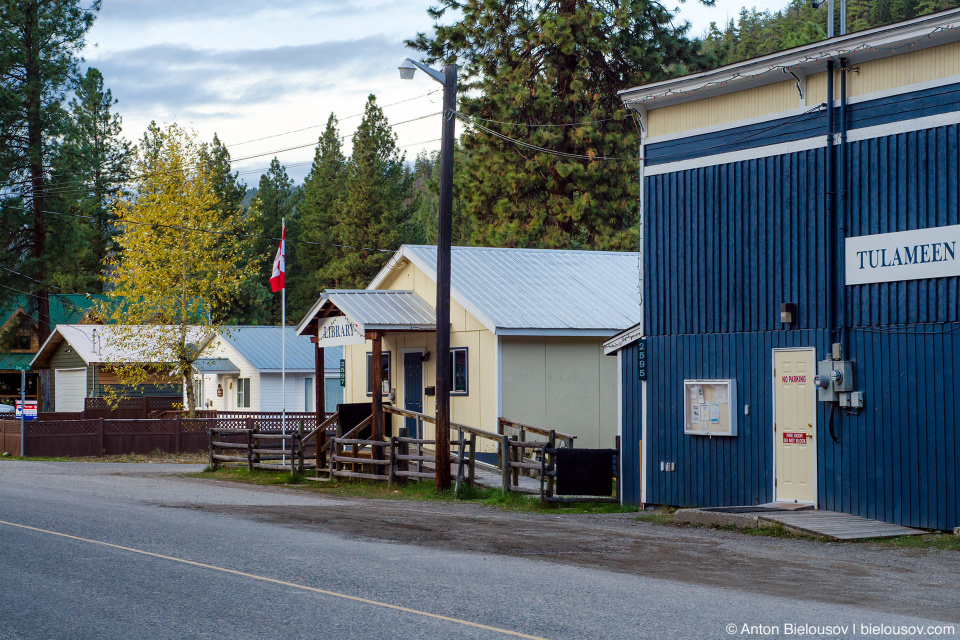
(889, 73)
(750, 103)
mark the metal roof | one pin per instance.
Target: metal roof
(261, 346)
(925, 31)
(384, 309)
(215, 365)
(104, 350)
(538, 291)
(65, 308)
(376, 310)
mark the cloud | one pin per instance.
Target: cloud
(139, 11)
(172, 78)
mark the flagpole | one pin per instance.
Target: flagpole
(283, 343)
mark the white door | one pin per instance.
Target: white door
(794, 414)
(71, 389)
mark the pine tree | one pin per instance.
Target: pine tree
(251, 302)
(317, 219)
(547, 74)
(229, 187)
(424, 201)
(757, 33)
(91, 170)
(373, 214)
(276, 199)
(39, 58)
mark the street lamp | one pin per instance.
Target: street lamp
(448, 78)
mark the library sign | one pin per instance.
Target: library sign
(339, 331)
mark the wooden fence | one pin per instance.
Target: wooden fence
(257, 450)
(10, 437)
(128, 408)
(52, 436)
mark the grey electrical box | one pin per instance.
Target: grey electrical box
(833, 378)
(842, 375)
(825, 390)
(852, 399)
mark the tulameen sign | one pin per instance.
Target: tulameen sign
(903, 255)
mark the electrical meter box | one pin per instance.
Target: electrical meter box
(709, 407)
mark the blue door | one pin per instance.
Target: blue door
(412, 389)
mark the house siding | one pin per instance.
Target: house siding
(724, 246)
(565, 384)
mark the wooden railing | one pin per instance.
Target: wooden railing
(514, 451)
(564, 439)
(257, 450)
(393, 461)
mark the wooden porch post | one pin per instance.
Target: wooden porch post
(377, 364)
(319, 385)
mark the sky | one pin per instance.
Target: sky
(265, 76)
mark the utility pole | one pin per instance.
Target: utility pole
(448, 78)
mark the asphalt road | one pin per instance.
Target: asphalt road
(119, 551)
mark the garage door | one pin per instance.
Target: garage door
(71, 389)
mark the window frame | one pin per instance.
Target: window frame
(453, 370)
(243, 387)
(389, 373)
(309, 399)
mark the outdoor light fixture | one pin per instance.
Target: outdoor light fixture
(448, 78)
(409, 67)
(788, 312)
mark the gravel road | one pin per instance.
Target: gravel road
(203, 559)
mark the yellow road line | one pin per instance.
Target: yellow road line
(254, 576)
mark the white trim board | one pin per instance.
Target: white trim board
(620, 423)
(563, 333)
(792, 113)
(753, 153)
(806, 144)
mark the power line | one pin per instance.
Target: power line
(317, 126)
(173, 227)
(66, 190)
(349, 135)
(571, 124)
(534, 147)
(54, 190)
(23, 275)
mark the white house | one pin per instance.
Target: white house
(241, 371)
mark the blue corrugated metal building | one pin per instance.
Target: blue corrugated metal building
(768, 189)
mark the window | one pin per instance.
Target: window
(333, 394)
(23, 341)
(243, 393)
(198, 390)
(308, 399)
(458, 372)
(385, 363)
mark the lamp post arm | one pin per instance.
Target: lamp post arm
(433, 73)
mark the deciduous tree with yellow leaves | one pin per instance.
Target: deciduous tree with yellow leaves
(181, 255)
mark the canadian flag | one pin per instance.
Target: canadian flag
(279, 265)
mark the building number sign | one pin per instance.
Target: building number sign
(642, 359)
(343, 372)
